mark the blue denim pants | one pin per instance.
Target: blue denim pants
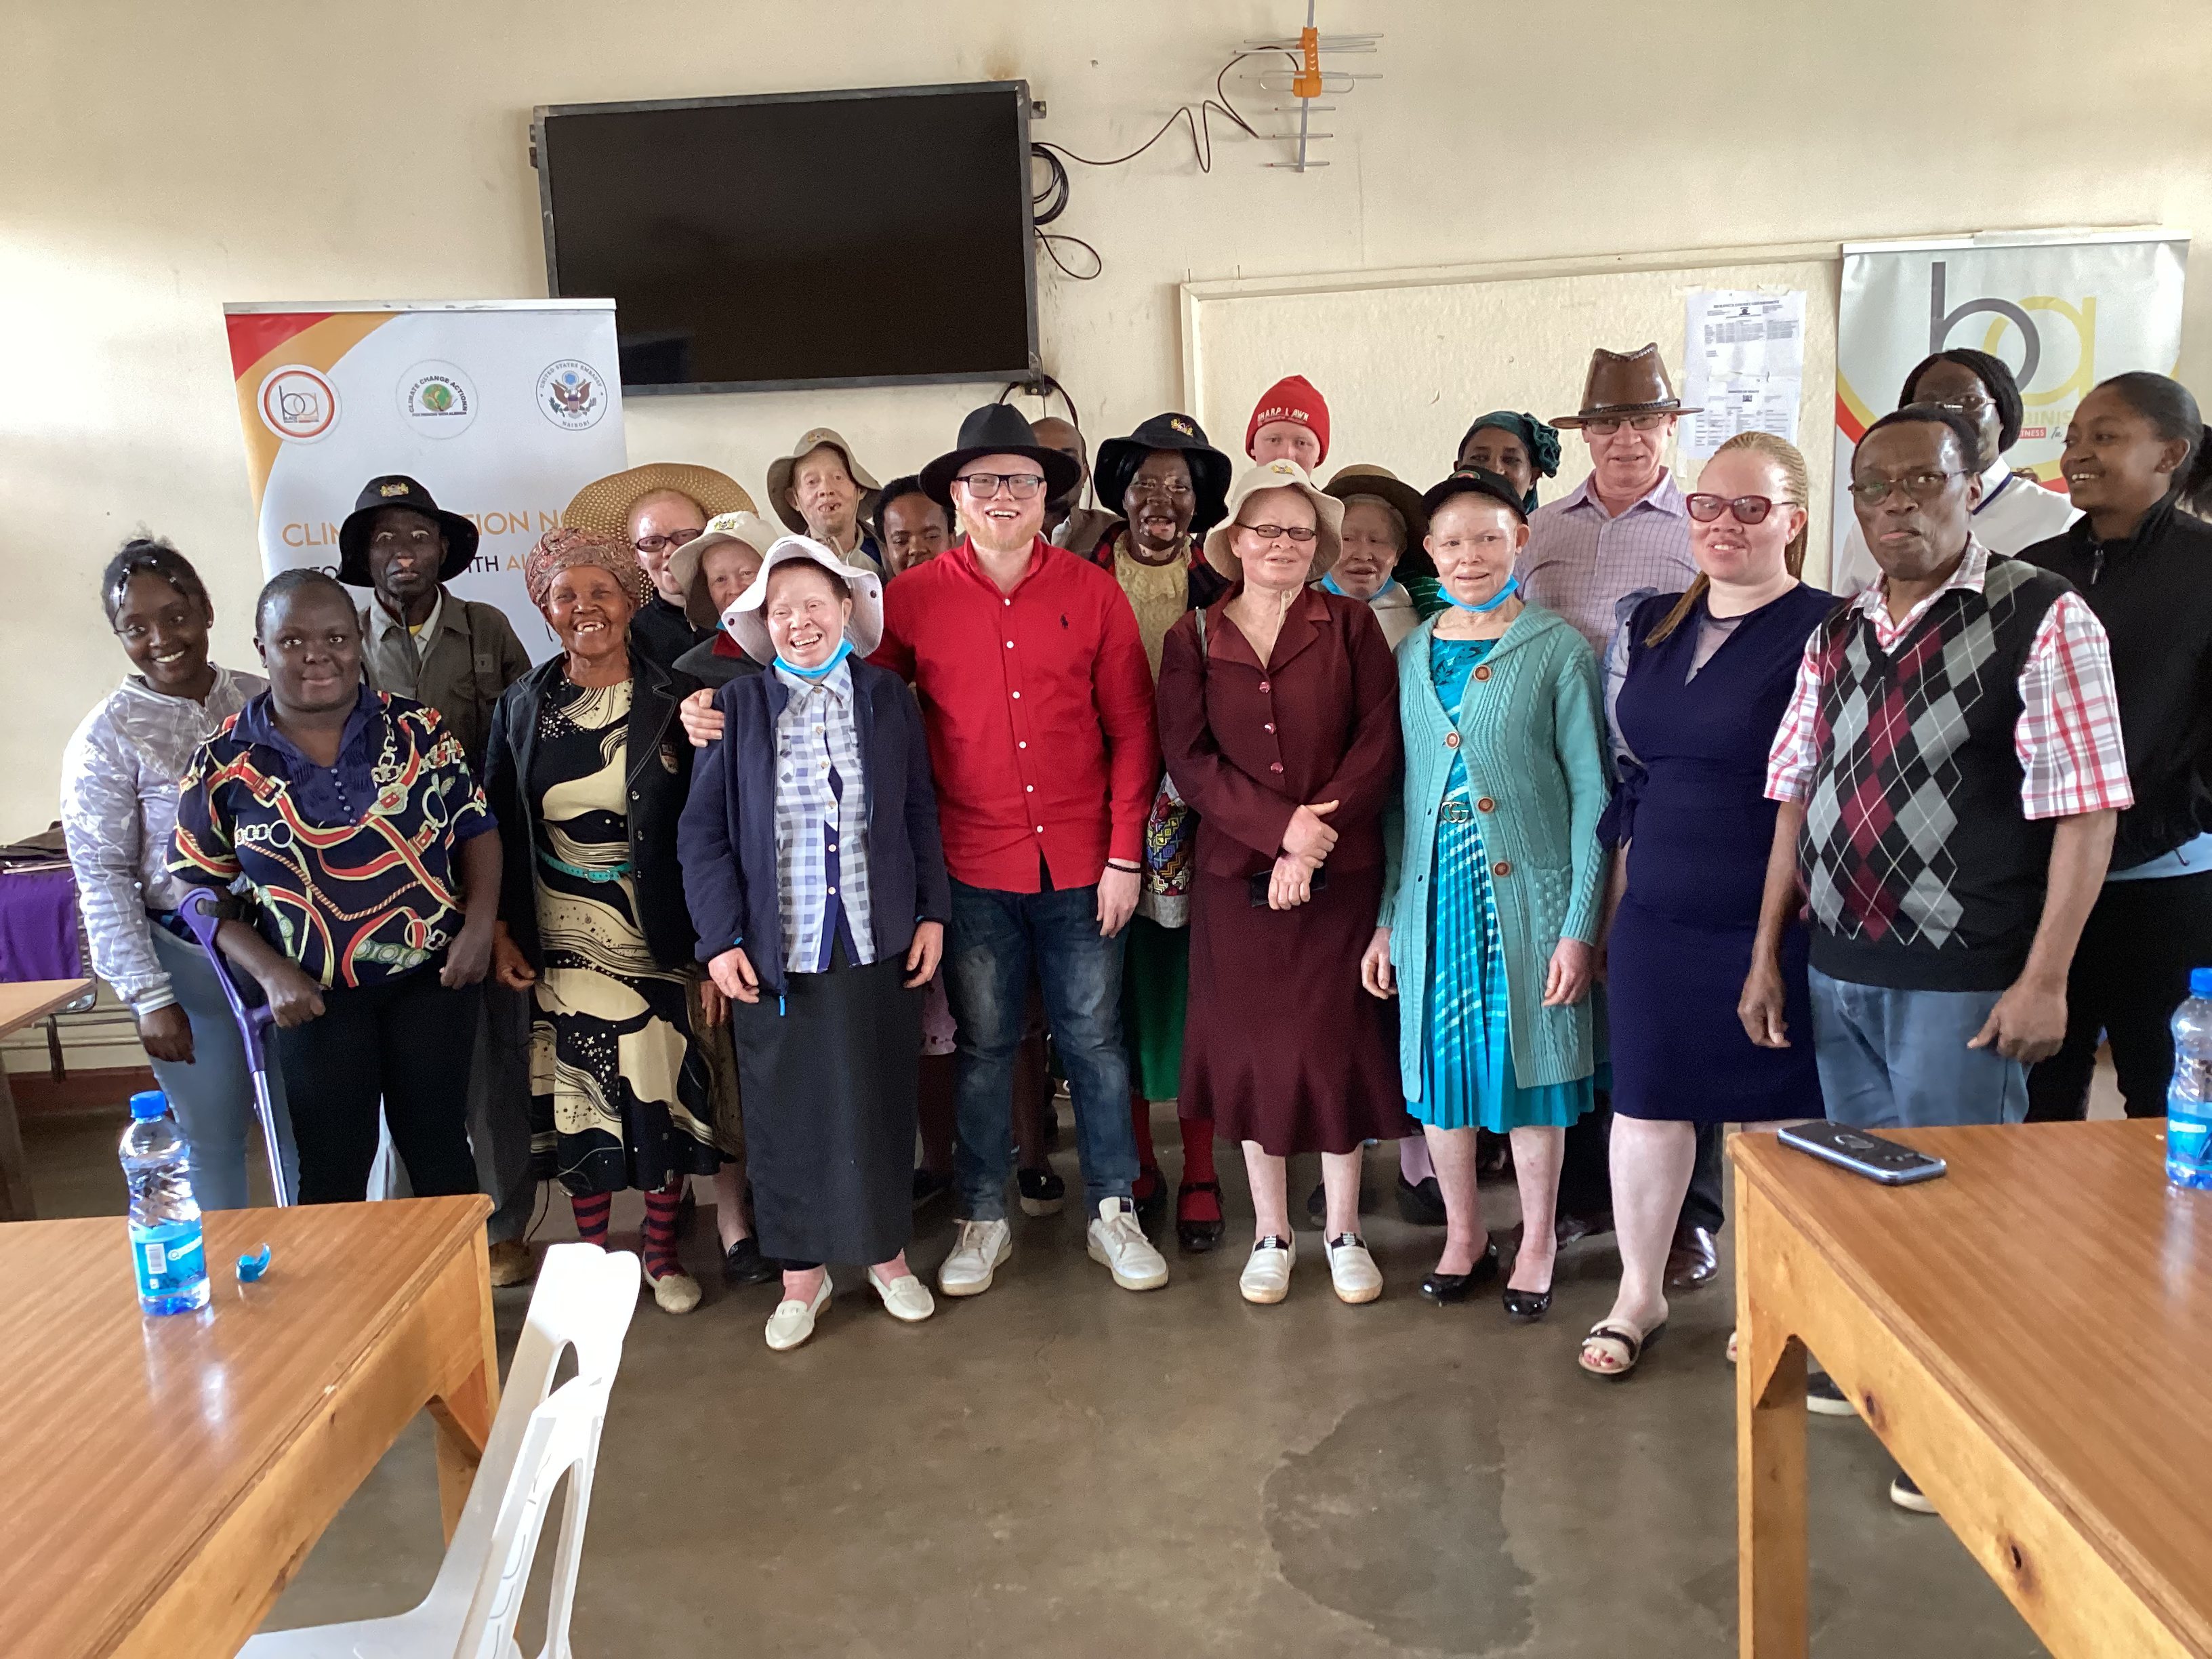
(995, 939)
(1899, 1060)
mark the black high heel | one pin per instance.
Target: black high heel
(1443, 1288)
(1196, 1234)
(1527, 1307)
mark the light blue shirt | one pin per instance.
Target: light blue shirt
(2191, 858)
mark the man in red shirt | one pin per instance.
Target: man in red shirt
(1038, 705)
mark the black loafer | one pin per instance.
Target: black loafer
(743, 1264)
(1152, 1207)
(1526, 1307)
(687, 1213)
(1422, 1203)
(1196, 1234)
(1441, 1288)
(1317, 1206)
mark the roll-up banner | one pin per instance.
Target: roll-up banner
(501, 409)
(2063, 309)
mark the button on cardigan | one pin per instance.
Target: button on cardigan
(1532, 738)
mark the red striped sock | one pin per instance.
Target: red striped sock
(591, 1217)
(660, 1258)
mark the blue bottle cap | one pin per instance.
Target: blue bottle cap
(2200, 981)
(149, 1103)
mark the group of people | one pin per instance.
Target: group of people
(1560, 835)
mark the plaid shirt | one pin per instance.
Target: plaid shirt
(2067, 736)
(1581, 563)
(817, 756)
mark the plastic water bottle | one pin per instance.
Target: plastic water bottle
(165, 1247)
(2189, 1100)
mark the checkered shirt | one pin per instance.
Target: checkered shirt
(2067, 736)
(817, 740)
(1581, 563)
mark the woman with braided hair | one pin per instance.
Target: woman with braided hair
(587, 771)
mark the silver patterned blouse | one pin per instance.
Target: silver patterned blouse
(119, 779)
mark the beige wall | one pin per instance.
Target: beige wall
(164, 158)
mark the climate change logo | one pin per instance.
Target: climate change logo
(297, 403)
(572, 394)
(437, 400)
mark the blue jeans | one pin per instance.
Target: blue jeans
(995, 937)
(213, 1097)
(1899, 1060)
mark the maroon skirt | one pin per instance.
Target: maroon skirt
(1281, 1044)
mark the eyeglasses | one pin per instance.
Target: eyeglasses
(1973, 406)
(674, 539)
(1174, 489)
(1922, 487)
(1022, 486)
(1279, 532)
(1606, 428)
(1747, 509)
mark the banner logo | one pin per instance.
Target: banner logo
(572, 395)
(2082, 320)
(297, 403)
(437, 400)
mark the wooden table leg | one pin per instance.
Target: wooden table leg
(1772, 1563)
(15, 1203)
(464, 1410)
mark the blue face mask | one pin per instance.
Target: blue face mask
(844, 650)
(1512, 586)
(1329, 585)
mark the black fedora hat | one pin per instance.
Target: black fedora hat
(1474, 481)
(396, 489)
(1119, 458)
(998, 429)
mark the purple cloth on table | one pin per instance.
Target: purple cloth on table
(38, 925)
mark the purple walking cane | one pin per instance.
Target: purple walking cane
(254, 1020)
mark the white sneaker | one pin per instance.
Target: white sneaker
(1118, 1242)
(906, 1296)
(1266, 1275)
(977, 1251)
(1351, 1270)
(793, 1322)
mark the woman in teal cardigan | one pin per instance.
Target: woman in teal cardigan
(1491, 904)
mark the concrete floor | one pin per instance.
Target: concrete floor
(1059, 1467)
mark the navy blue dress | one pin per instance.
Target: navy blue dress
(1692, 807)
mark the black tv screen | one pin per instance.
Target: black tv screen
(863, 238)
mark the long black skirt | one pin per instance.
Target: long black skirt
(828, 1087)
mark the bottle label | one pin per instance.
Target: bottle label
(2188, 1135)
(169, 1258)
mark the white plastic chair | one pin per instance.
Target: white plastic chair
(584, 1299)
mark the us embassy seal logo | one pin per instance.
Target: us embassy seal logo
(297, 403)
(437, 400)
(572, 394)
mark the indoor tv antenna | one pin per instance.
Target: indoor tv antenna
(1311, 81)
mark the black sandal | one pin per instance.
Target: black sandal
(1196, 1234)
(1607, 1330)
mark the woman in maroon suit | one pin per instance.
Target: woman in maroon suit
(1278, 719)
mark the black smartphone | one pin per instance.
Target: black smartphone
(1255, 887)
(1862, 1153)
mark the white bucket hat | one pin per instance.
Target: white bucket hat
(683, 564)
(1328, 517)
(743, 622)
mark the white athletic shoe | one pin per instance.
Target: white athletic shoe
(1266, 1275)
(1120, 1243)
(977, 1252)
(1351, 1270)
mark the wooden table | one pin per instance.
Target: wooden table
(2031, 1336)
(22, 1001)
(163, 1478)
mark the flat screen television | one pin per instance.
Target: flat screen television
(875, 237)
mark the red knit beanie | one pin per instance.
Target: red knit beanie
(1291, 398)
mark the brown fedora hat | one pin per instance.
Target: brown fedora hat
(1624, 384)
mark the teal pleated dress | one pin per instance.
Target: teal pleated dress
(1466, 1062)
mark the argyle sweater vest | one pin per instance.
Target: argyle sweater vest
(1921, 872)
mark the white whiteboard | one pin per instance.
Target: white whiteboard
(1408, 359)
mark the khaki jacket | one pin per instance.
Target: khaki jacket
(460, 669)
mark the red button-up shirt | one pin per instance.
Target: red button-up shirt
(1038, 704)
